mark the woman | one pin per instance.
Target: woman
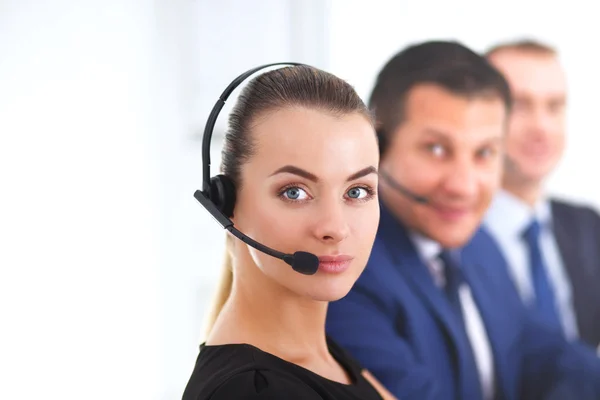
(301, 151)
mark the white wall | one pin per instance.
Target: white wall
(364, 35)
(79, 230)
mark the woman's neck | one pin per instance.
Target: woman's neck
(263, 313)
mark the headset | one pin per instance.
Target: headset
(394, 184)
(218, 194)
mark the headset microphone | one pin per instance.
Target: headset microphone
(218, 193)
(400, 188)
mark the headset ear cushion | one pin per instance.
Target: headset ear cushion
(222, 194)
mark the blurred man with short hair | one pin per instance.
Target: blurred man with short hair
(552, 247)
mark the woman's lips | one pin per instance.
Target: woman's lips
(335, 264)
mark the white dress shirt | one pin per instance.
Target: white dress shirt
(429, 252)
(506, 220)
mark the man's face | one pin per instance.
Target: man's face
(448, 149)
(536, 135)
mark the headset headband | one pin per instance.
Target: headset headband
(212, 119)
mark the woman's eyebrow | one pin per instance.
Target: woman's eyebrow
(291, 169)
(363, 172)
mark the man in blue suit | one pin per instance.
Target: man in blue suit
(435, 314)
(552, 246)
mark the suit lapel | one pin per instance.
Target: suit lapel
(417, 275)
(416, 272)
(566, 239)
(488, 295)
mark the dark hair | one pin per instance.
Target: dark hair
(290, 86)
(450, 65)
(524, 45)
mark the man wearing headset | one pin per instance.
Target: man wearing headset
(436, 292)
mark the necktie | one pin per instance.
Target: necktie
(468, 375)
(454, 280)
(545, 302)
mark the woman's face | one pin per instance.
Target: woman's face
(311, 185)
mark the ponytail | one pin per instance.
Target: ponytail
(223, 289)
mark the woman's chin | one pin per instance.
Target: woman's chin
(330, 291)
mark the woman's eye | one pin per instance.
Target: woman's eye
(357, 193)
(295, 193)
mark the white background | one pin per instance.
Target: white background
(106, 260)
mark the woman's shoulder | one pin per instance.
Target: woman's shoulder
(237, 371)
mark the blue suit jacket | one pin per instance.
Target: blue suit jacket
(396, 322)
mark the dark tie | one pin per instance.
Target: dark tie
(454, 279)
(544, 296)
(468, 375)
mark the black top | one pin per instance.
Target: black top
(242, 371)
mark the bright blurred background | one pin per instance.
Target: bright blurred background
(107, 262)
